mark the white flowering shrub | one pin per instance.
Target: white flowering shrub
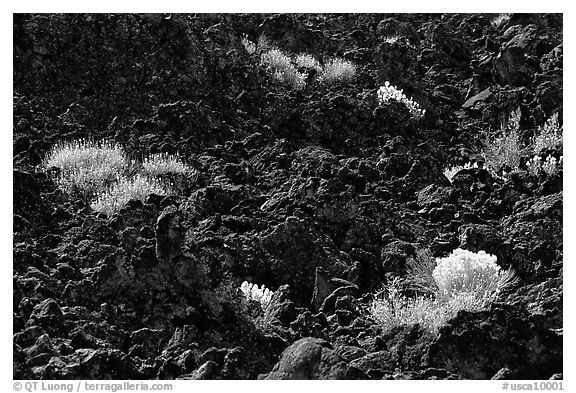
(462, 281)
(162, 163)
(337, 70)
(470, 273)
(391, 39)
(549, 136)
(86, 165)
(261, 295)
(116, 196)
(451, 171)
(389, 92)
(550, 166)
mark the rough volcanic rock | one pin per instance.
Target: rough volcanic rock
(321, 194)
(309, 358)
(477, 345)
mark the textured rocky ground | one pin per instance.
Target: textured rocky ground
(319, 194)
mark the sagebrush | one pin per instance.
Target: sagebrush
(440, 288)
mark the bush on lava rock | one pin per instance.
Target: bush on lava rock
(462, 281)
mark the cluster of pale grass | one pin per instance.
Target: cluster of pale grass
(261, 295)
(162, 163)
(504, 150)
(283, 69)
(99, 170)
(451, 171)
(289, 71)
(429, 312)
(305, 60)
(389, 92)
(248, 45)
(391, 39)
(549, 136)
(116, 196)
(86, 165)
(462, 281)
(500, 19)
(338, 70)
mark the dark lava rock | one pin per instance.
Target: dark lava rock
(510, 66)
(89, 363)
(534, 232)
(281, 309)
(477, 345)
(48, 314)
(297, 250)
(395, 254)
(309, 358)
(320, 194)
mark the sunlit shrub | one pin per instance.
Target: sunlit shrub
(462, 281)
(474, 274)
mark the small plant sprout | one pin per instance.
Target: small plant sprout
(451, 171)
(392, 39)
(389, 92)
(261, 295)
(248, 45)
